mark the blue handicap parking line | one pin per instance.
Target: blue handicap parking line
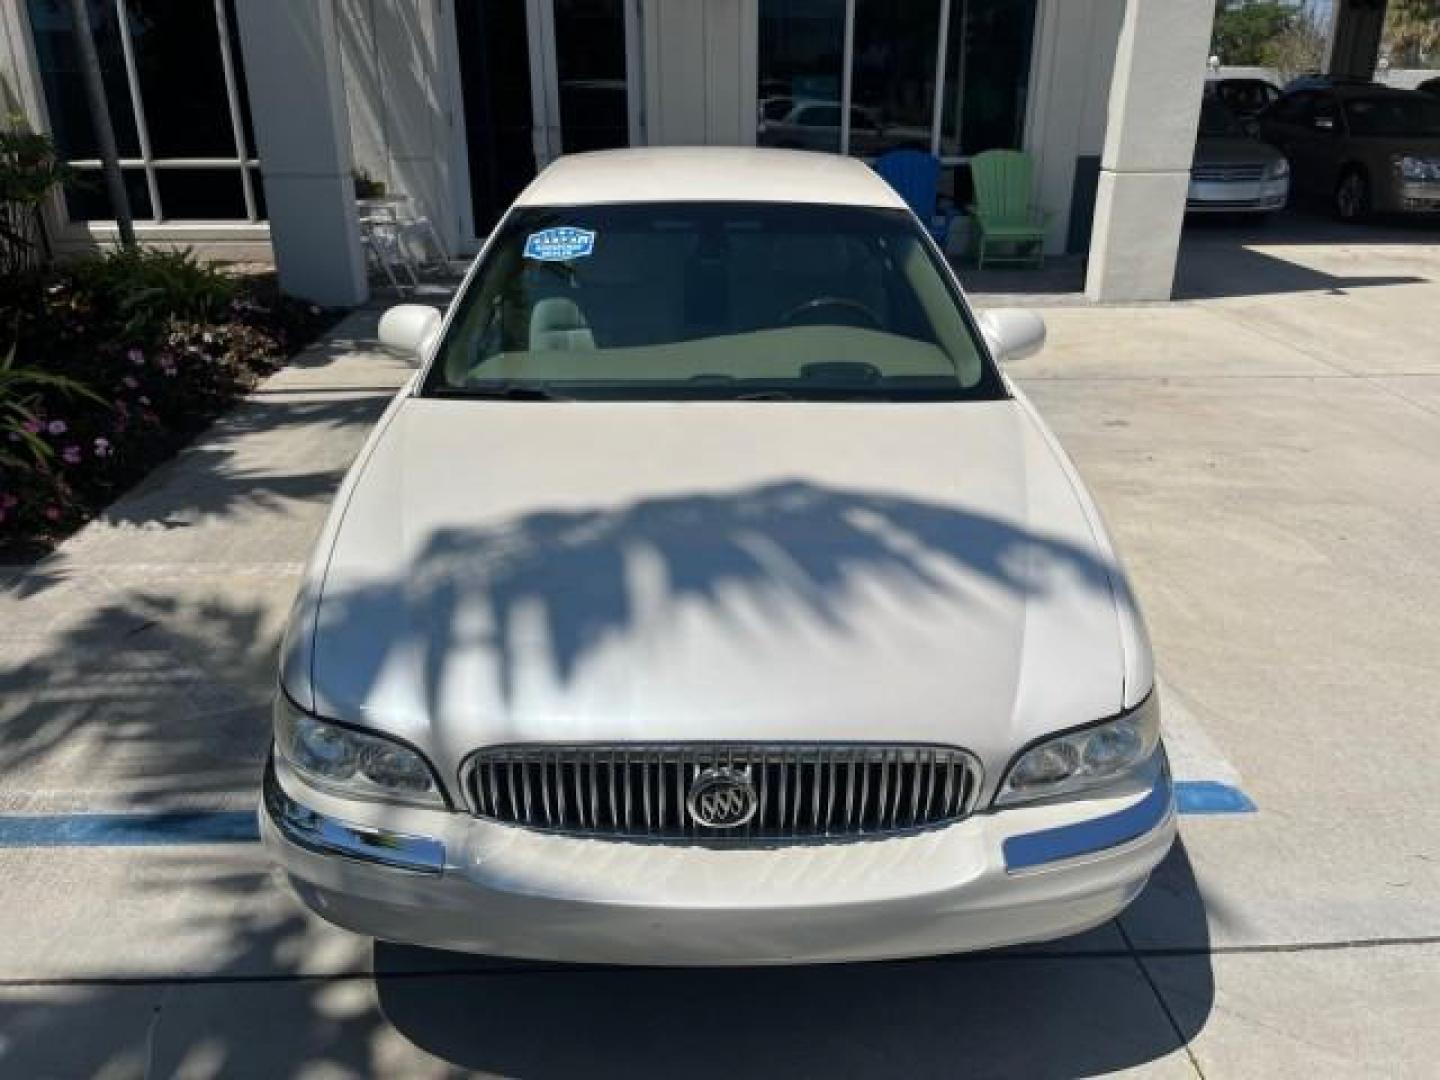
(129, 830)
(1211, 797)
(240, 826)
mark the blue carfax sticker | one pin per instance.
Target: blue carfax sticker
(560, 244)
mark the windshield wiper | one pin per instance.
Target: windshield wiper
(765, 395)
(500, 393)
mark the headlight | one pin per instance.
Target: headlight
(1277, 170)
(1084, 758)
(1417, 168)
(350, 763)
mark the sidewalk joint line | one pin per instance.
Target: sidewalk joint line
(1159, 999)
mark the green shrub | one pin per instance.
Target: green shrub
(29, 170)
(143, 288)
(127, 355)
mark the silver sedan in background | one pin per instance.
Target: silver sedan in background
(1234, 172)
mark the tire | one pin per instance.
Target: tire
(1352, 196)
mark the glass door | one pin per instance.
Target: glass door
(541, 78)
(585, 53)
(493, 46)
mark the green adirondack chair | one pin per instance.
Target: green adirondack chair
(1002, 209)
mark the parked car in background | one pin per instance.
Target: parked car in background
(1246, 98)
(815, 125)
(1431, 87)
(1365, 148)
(711, 596)
(1320, 80)
(1233, 172)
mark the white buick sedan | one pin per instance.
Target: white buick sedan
(711, 597)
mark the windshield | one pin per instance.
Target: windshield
(1217, 120)
(1398, 115)
(711, 300)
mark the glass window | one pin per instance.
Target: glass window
(182, 79)
(494, 50)
(1294, 109)
(590, 63)
(201, 194)
(892, 86)
(1217, 121)
(64, 86)
(247, 121)
(713, 300)
(86, 199)
(893, 74)
(802, 50)
(185, 109)
(1397, 116)
(987, 75)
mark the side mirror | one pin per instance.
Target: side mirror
(409, 328)
(1012, 333)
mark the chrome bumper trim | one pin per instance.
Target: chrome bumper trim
(324, 835)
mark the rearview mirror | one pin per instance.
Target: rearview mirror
(1012, 333)
(409, 328)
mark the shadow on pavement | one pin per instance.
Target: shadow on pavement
(1079, 1007)
(1230, 257)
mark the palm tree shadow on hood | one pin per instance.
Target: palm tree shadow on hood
(560, 584)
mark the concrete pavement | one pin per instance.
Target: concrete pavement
(1266, 454)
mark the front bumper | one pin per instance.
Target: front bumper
(1418, 196)
(1237, 197)
(452, 881)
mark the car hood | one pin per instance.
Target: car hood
(510, 572)
(1234, 150)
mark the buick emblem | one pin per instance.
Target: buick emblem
(722, 799)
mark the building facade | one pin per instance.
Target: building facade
(242, 123)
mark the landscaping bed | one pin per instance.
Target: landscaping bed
(110, 364)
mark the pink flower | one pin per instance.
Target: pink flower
(57, 427)
(53, 513)
(9, 501)
(32, 426)
(143, 400)
(130, 382)
(71, 454)
(167, 363)
(136, 357)
(103, 447)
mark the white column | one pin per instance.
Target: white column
(700, 72)
(1149, 141)
(297, 97)
(1355, 33)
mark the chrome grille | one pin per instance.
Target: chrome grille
(830, 791)
(1228, 173)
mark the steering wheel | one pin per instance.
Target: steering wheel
(818, 302)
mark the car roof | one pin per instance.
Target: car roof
(1371, 90)
(708, 174)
